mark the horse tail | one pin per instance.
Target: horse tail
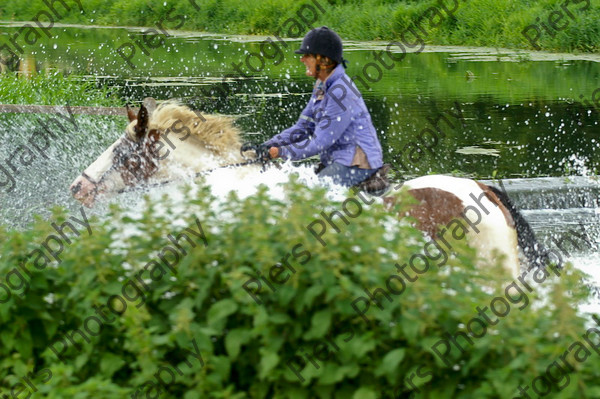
(536, 254)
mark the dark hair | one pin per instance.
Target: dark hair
(324, 62)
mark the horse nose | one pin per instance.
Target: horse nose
(84, 191)
(76, 188)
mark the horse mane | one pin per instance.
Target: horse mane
(216, 132)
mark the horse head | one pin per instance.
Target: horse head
(149, 147)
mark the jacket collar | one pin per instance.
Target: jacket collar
(335, 75)
(338, 71)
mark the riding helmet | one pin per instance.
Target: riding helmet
(322, 41)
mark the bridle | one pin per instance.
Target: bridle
(123, 157)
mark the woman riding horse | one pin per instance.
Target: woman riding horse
(335, 123)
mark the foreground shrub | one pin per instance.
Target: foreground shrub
(243, 346)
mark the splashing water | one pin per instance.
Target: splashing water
(577, 165)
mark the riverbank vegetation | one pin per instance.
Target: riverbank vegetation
(53, 88)
(473, 23)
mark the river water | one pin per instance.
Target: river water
(530, 118)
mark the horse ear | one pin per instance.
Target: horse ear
(150, 104)
(130, 114)
(142, 123)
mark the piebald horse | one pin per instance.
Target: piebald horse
(159, 140)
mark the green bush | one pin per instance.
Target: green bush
(244, 345)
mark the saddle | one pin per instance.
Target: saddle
(378, 184)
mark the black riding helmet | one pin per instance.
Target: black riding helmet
(323, 41)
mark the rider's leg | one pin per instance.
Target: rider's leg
(346, 175)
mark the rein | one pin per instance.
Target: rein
(198, 174)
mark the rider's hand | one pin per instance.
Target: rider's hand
(274, 152)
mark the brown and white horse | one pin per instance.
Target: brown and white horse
(160, 140)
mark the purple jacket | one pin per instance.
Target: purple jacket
(334, 122)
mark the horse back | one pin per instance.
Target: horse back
(457, 207)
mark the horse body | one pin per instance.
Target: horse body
(465, 207)
(162, 140)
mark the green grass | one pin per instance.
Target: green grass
(54, 89)
(475, 22)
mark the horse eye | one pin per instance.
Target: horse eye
(120, 154)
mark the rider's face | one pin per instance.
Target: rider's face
(311, 64)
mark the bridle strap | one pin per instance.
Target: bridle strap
(88, 178)
(102, 178)
(99, 182)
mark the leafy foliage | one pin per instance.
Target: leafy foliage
(476, 22)
(245, 345)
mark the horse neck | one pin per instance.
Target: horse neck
(192, 154)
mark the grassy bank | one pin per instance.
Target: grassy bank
(474, 22)
(55, 89)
